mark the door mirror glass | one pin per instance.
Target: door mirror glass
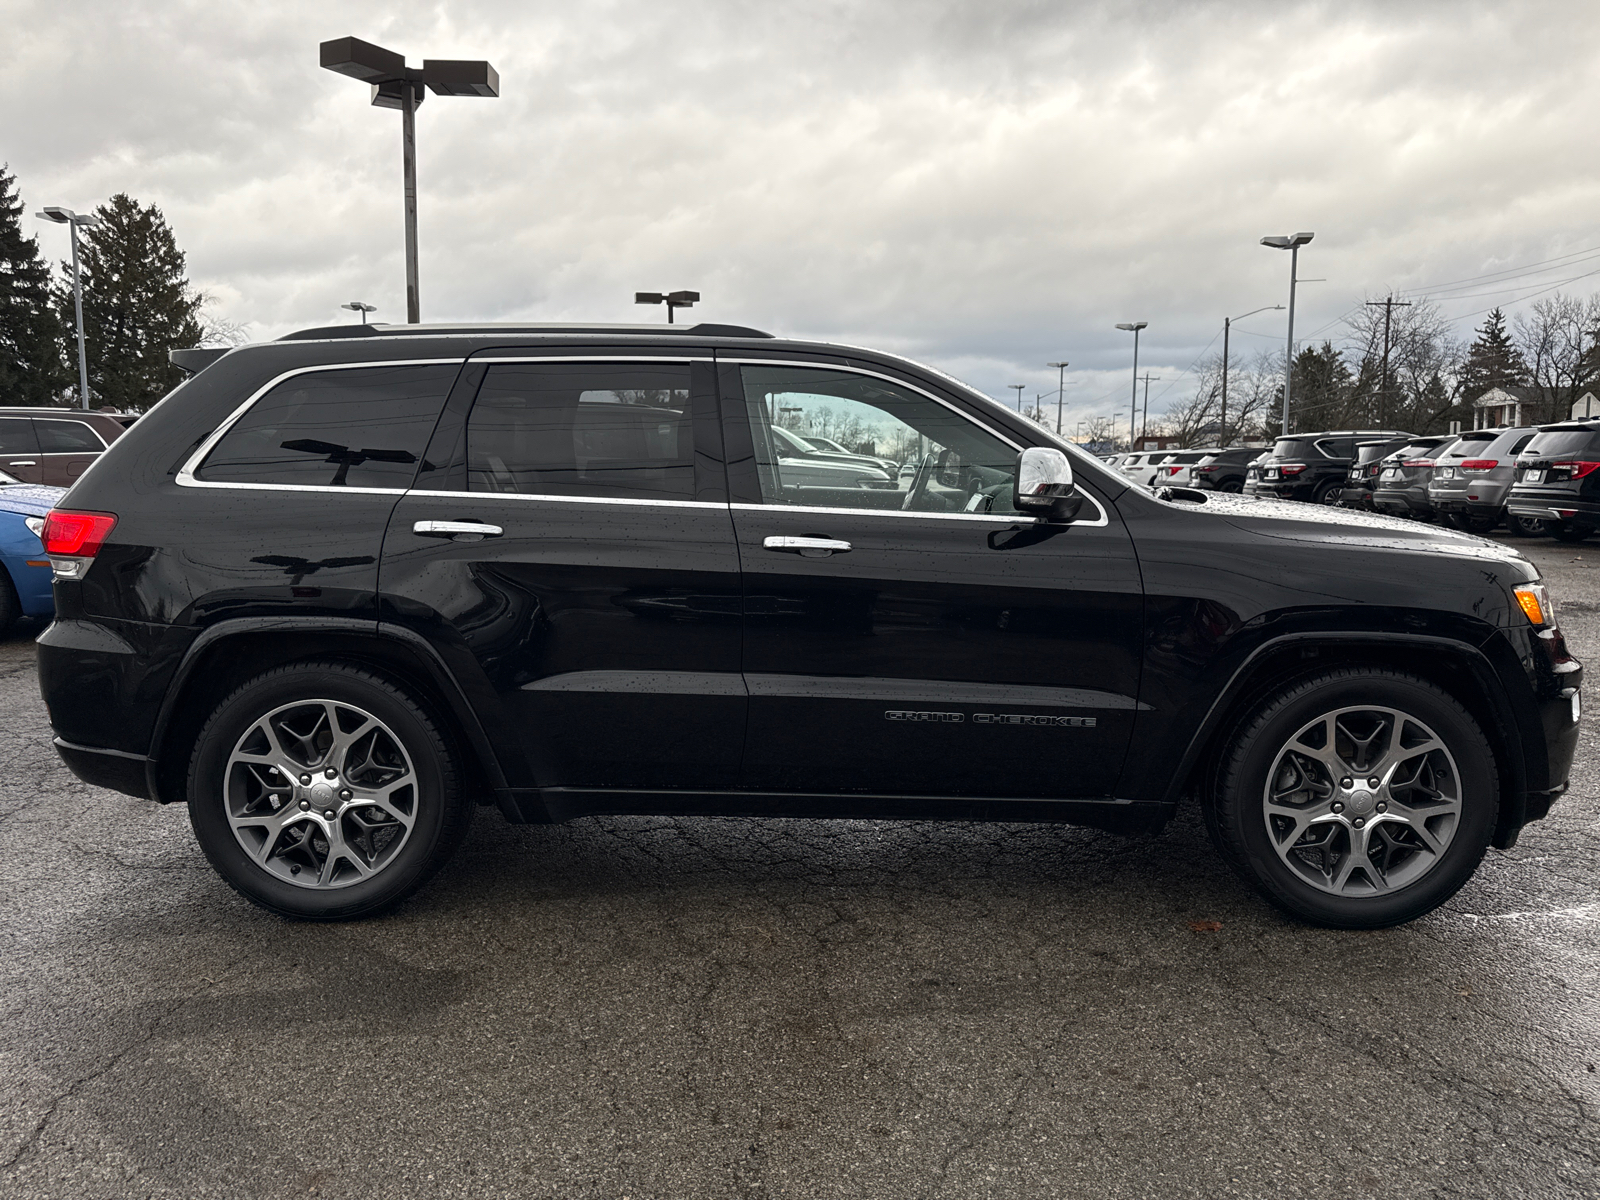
(1044, 487)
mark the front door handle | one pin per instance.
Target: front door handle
(25, 462)
(810, 547)
(461, 531)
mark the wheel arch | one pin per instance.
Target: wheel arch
(1462, 670)
(227, 654)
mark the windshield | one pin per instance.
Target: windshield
(1469, 446)
(1375, 451)
(792, 442)
(1563, 441)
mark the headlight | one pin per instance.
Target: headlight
(35, 524)
(1536, 605)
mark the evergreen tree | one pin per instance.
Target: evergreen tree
(1493, 360)
(31, 368)
(137, 305)
(1322, 388)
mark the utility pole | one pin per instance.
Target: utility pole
(1227, 326)
(1383, 386)
(1144, 426)
(1061, 387)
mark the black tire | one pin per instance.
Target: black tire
(1233, 486)
(1468, 523)
(10, 605)
(1328, 494)
(439, 810)
(1527, 526)
(1566, 531)
(1239, 821)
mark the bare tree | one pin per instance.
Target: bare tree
(1414, 385)
(1558, 339)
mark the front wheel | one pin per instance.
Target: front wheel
(1357, 799)
(322, 791)
(1527, 526)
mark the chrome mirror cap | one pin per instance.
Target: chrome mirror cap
(1044, 486)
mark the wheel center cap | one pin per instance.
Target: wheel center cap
(1361, 802)
(322, 795)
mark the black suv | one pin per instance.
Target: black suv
(337, 590)
(1558, 480)
(1313, 466)
(1363, 476)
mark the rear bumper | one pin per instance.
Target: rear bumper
(114, 769)
(1356, 497)
(1553, 506)
(1408, 502)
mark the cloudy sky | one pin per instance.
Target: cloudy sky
(986, 186)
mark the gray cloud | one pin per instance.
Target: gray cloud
(985, 186)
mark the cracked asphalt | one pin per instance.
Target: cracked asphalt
(714, 1008)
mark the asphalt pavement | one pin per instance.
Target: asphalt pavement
(708, 1008)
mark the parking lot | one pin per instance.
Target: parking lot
(649, 1007)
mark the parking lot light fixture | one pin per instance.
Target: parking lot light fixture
(395, 85)
(1061, 387)
(1019, 387)
(1292, 243)
(363, 309)
(74, 222)
(1134, 327)
(673, 300)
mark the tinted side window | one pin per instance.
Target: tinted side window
(16, 436)
(609, 430)
(358, 427)
(67, 437)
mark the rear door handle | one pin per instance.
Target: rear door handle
(811, 547)
(25, 462)
(461, 531)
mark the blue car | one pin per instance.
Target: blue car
(25, 582)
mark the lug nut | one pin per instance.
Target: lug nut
(1337, 806)
(1344, 783)
(331, 773)
(1359, 822)
(1373, 782)
(305, 806)
(294, 870)
(1382, 807)
(305, 779)
(345, 793)
(328, 812)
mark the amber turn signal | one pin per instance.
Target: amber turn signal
(1536, 604)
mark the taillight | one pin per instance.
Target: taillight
(1417, 462)
(1578, 469)
(72, 539)
(1207, 470)
(1291, 468)
(1480, 464)
(1173, 470)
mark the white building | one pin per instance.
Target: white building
(1504, 406)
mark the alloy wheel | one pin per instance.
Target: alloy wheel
(1362, 801)
(320, 793)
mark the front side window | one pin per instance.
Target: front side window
(607, 430)
(67, 437)
(939, 460)
(358, 427)
(16, 436)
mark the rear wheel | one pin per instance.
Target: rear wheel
(323, 791)
(1527, 526)
(1358, 799)
(1567, 531)
(1329, 493)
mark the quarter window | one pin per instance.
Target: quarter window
(904, 450)
(359, 427)
(67, 437)
(608, 430)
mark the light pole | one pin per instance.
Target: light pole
(74, 222)
(1292, 244)
(1133, 409)
(1019, 387)
(1227, 324)
(1061, 387)
(672, 300)
(395, 85)
(363, 309)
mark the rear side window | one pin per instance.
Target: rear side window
(67, 437)
(1563, 441)
(16, 436)
(1291, 449)
(608, 430)
(357, 427)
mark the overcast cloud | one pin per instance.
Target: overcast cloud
(983, 186)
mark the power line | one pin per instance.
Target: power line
(1514, 272)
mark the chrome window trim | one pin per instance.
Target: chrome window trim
(186, 477)
(990, 518)
(423, 493)
(1101, 521)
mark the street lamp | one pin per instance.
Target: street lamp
(1019, 387)
(1134, 327)
(1061, 387)
(1227, 324)
(74, 222)
(395, 85)
(1292, 244)
(672, 300)
(363, 309)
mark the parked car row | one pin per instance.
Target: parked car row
(53, 446)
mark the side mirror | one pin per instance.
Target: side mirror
(1044, 486)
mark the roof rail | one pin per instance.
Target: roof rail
(488, 328)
